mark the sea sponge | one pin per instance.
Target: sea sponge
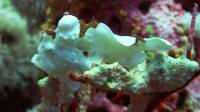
(69, 51)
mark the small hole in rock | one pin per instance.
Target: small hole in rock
(144, 6)
(85, 53)
(123, 99)
(97, 110)
(7, 38)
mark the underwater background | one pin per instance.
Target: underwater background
(99, 56)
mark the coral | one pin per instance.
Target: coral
(144, 70)
(165, 12)
(17, 74)
(15, 66)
